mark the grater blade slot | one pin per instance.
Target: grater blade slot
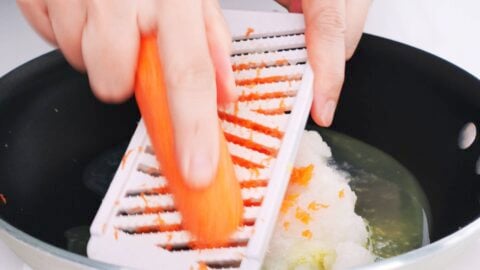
(268, 44)
(149, 170)
(289, 87)
(223, 264)
(268, 59)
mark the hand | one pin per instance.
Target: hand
(102, 38)
(333, 30)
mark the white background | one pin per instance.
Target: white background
(447, 28)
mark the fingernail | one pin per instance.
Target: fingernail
(200, 168)
(328, 111)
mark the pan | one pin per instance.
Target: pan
(55, 137)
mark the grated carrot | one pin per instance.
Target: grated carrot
(253, 183)
(289, 201)
(257, 95)
(249, 32)
(246, 163)
(115, 234)
(124, 158)
(302, 175)
(281, 62)
(275, 111)
(258, 71)
(274, 132)
(286, 225)
(302, 215)
(307, 234)
(202, 266)
(269, 79)
(251, 144)
(314, 206)
(169, 246)
(248, 65)
(235, 108)
(254, 172)
(341, 193)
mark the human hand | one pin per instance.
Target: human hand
(333, 30)
(102, 38)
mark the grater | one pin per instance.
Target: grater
(137, 225)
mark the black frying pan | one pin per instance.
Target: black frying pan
(401, 100)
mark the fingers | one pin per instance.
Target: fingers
(356, 14)
(67, 20)
(110, 46)
(36, 12)
(190, 80)
(325, 37)
(219, 44)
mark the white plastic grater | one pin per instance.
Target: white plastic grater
(137, 225)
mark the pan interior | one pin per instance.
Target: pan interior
(388, 195)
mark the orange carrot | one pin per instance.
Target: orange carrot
(307, 234)
(213, 213)
(249, 32)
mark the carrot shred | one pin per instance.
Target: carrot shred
(258, 96)
(275, 111)
(341, 193)
(302, 175)
(252, 202)
(288, 202)
(253, 183)
(314, 206)
(235, 109)
(274, 132)
(302, 215)
(124, 158)
(281, 62)
(249, 143)
(286, 225)
(246, 163)
(307, 234)
(249, 32)
(269, 79)
(202, 266)
(248, 65)
(254, 172)
(213, 213)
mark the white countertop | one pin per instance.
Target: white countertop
(446, 28)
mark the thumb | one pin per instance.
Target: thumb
(325, 37)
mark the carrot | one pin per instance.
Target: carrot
(249, 32)
(213, 213)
